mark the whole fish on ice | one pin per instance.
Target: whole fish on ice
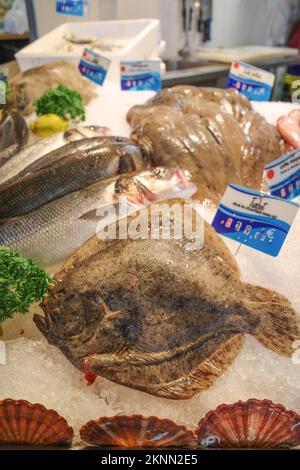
(21, 161)
(54, 231)
(153, 315)
(78, 165)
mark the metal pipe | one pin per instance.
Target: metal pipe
(33, 34)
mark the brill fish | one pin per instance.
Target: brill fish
(151, 314)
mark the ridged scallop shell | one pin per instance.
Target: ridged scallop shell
(259, 424)
(24, 423)
(136, 431)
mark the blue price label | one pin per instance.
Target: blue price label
(72, 7)
(140, 75)
(257, 220)
(94, 66)
(283, 176)
(253, 82)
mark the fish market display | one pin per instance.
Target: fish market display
(22, 160)
(13, 134)
(156, 316)
(136, 431)
(289, 128)
(70, 168)
(55, 230)
(254, 424)
(215, 134)
(74, 43)
(24, 423)
(25, 88)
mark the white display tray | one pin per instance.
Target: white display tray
(134, 40)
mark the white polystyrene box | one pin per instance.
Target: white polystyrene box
(139, 39)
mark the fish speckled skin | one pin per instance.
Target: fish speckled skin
(158, 317)
(74, 170)
(33, 155)
(54, 231)
(215, 133)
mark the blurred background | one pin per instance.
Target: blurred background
(209, 28)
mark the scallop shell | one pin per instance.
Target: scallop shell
(259, 424)
(136, 431)
(24, 423)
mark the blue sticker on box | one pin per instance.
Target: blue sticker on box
(72, 7)
(253, 82)
(141, 75)
(257, 220)
(94, 66)
(283, 176)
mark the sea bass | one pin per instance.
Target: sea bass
(71, 171)
(21, 161)
(154, 315)
(55, 230)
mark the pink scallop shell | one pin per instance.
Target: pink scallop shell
(24, 423)
(136, 431)
(259, 424)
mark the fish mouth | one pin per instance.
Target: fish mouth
(144, 195)
(177, 175)
(47, 326)
(44, 323)
(134, 190)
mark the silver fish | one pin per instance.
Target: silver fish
(18, 162)
(110, 157)
(56, 230)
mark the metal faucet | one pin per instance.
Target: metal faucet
(187, 14)
(197, 18)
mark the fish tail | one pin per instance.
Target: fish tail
(277, 324)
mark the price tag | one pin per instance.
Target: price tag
(255, 219)
(72, 7)
(94, 66)
(253, 82)
(283, 176)
(3, 83)
(140, 75)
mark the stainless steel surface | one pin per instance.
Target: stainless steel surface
(184, 64)
(196, 71)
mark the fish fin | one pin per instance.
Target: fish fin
(278, 323)
(91, 215)
(95, 214)
(119, 316)
(204, 375)
(200, 378)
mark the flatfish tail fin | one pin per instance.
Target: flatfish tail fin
(278, 324)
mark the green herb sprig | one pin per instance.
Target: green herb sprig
(62, 101)
(22, 283)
